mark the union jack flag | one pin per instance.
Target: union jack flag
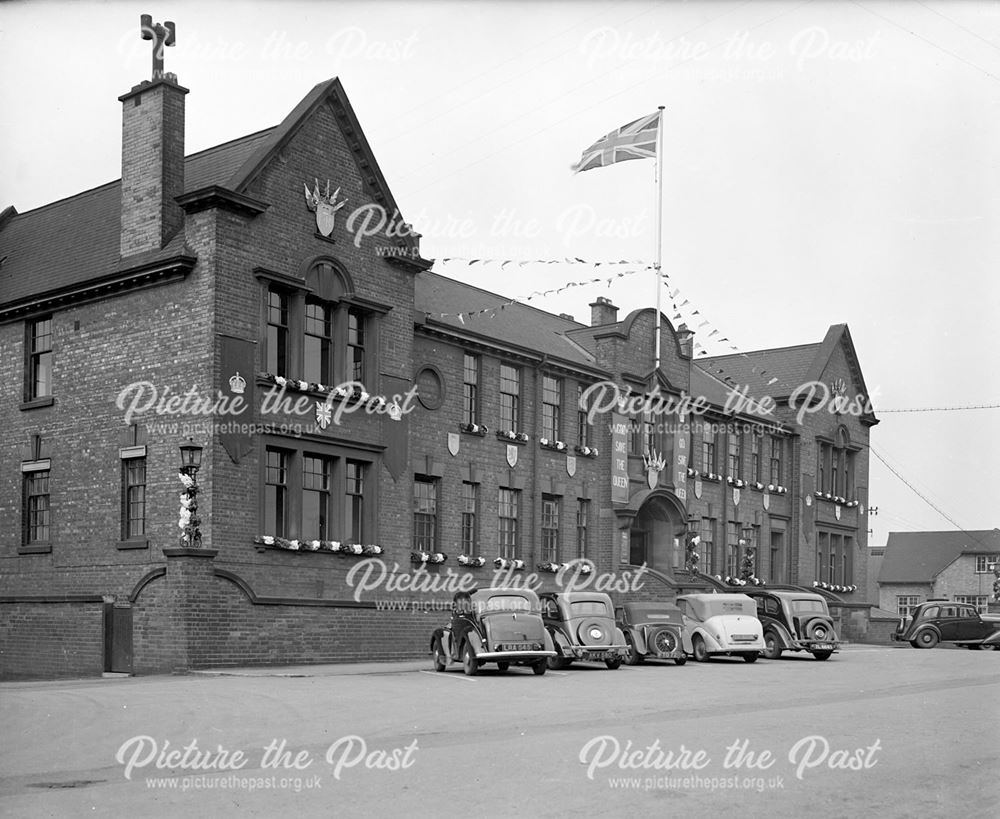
(637, 140)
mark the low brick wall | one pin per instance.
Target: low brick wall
(44, 639)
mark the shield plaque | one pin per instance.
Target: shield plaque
(325, 215)
(736, 497)
(454, 442)
(767, 500)
(571, 465)
(697, 488)
(512, 455)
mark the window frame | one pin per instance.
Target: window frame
(552, 389)
(510, 402)
(469, 532)
(509, 541)
(470, 389)
(550, 540)
(426, 524)
(127, 519)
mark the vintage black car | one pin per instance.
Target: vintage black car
(795, 621)
(653, 631)
(944, 621)
(582, 627)
(501, 626)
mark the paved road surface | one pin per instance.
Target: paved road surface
(887, 732)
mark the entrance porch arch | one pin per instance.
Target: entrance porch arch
(657, 528)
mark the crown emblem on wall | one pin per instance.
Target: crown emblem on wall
(237, 384)
(324, 205)
(839, 387)
(654, 461)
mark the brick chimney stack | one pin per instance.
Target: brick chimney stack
(152, 153)
(602, 311)
(685, 338)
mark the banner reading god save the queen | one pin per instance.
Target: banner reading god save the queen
(619, 458)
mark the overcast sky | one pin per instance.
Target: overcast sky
(824, 162)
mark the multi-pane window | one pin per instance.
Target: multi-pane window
(708, 453)
(470, 389)
(906, 603)
(510, 398)
(276, 492)
(582, 422)
(755, 455)
(39, 347)
(470, 517)
(835, 472)
(316, 363)
(985, 563)
(425, 514)
(706, 548)
(980, 601)
(354, 494)
(316, 474)
(822, 549)
(735, 462)
(133, 498)
(36, 507)
(582, 522)
(551, 407)
(355, 345)
(732, 548)
(550, 528)
(775, 476)
(276, 343)
(507, 516)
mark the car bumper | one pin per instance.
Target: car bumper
(513, 656)
(595, 653)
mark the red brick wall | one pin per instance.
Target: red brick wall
(44, 640)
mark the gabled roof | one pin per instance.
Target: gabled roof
(517, 325)
(77, 239)
(779, 371)
(919, 557)
(63, 244)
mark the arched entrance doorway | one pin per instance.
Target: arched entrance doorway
(656, 537)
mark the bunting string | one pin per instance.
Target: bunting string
(491, 312)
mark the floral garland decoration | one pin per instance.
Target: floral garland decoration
(188, 520)
(586, 451)
(469, 560)
(351, 391)
(737, 482)
(508, 563)
(474, 429)
(547, 443)
(510, 435)
(334, 546)
(428, 557)
(834, 587)
(691, 557)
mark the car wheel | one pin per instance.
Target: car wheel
(540, 668)
(632, 657)
(914, 644)
(700, 652)
(502, 666)
(772, 651)
(927, 639)
(680, 660)
(751, 657)
(613, 662)
(973, 646)
(822, 655)
(440, 660)
(819, 630)
(470, 665)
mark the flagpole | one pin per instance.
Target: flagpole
(659, 230)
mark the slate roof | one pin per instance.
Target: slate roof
(774, 372)
(516, 324)
(919, 557)
(78, 238)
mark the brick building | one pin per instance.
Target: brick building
(920, 566)
(350, 419)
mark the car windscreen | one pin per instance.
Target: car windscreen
(586, 608)
(800, 606)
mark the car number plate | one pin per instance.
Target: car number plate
(822, 647)
(597, 655)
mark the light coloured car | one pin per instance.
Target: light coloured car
(721, 624)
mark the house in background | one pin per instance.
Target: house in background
(918, 566)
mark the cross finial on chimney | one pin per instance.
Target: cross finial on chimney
(162, 34)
